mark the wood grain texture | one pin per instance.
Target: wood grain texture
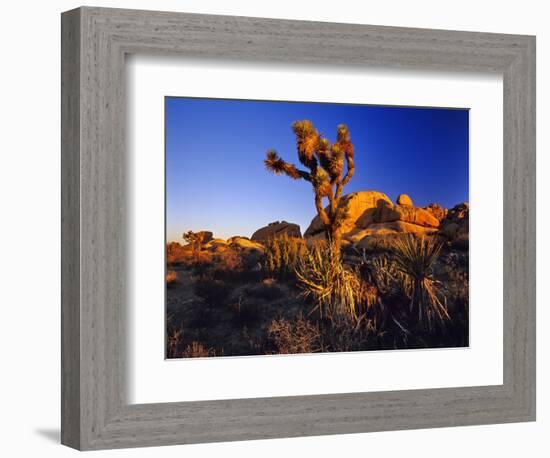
(70, 229)
(95, 411)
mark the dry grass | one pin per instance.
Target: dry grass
(283, 255)
(197, 350)
(174, 342)
(298, 336)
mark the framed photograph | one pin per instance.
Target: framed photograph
(281, 228)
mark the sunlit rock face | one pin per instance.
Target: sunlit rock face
(275, 229)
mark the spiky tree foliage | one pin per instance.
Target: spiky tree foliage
(330, 167)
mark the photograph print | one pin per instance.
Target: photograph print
(301, 227)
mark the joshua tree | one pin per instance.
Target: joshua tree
(325, 164)
(195, 239)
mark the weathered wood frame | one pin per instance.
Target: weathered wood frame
(95, 414)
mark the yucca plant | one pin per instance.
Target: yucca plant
(415, 258)
(325, 162)
(335, 289)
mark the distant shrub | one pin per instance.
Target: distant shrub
(229, 259)
(171, 278)
(176, 253)
(283, 255)
(298, 336)
(268, 290)
(227, 265)
(212, 291)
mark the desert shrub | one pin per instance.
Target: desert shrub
(197, 350)
(171, 278)
(229, 260)
(247, 312)
(415, 257)
(202, 263)
(335, 289)
(461, 242)
(283, 255)
(176, 253)
(268, 290)
(299, 336)
(212, 291)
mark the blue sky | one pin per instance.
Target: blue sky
(216, 179)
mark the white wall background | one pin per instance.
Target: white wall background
(29, 231)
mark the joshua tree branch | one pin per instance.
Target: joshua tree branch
(278, 166)
(350, 172)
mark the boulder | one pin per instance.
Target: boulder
(244, 244)
(360, 207)
(275, 229)
(436, 210)
(404, 199)
(456, 224)
(216, 245)
(395, 227)
(406, 214)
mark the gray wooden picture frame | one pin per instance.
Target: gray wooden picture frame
(95, 413)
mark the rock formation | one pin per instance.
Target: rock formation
(456, 225)
(373, 214)
(276, 228)
(437, 210)
(244, 244)
(404, 199)
(406, 214)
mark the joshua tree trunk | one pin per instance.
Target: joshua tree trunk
(325, 162)
(335, 237)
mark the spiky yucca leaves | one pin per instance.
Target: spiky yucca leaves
(335, 290)
(327, 163)
(415, 258)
